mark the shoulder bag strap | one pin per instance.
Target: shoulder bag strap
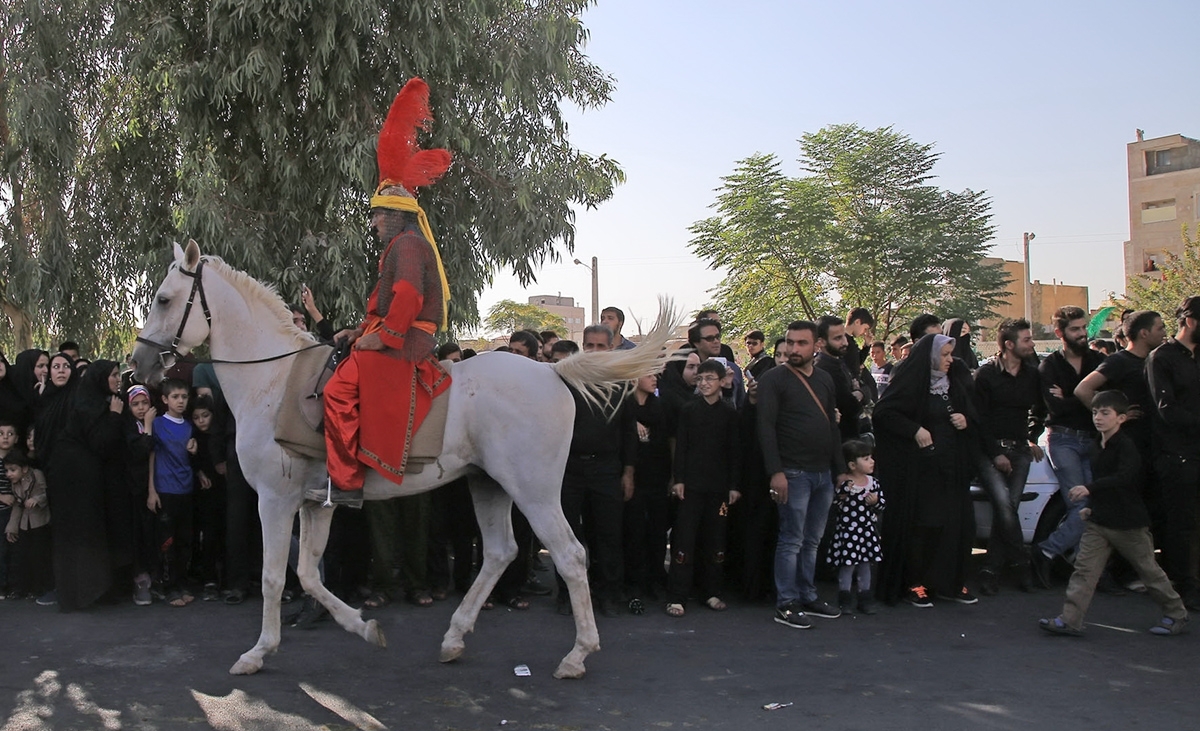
(811, 392)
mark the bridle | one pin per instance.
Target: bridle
(168, 355)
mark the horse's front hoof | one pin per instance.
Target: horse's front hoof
(374, 634)
(450, 653)
(569, 670)
(246, 666)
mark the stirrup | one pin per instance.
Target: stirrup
(332, 496)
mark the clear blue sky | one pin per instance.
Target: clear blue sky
(1033, 102)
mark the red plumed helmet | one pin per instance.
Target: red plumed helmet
(401, 162)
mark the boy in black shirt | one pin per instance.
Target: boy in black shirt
(706, 473)
(1116, 519)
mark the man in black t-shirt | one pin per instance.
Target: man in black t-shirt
(1070, 427)
(1173, 372)
(1125, 371)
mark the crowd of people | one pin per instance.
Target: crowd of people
(836, 455)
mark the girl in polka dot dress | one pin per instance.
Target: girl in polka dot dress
(855, 543)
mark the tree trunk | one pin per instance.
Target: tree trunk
(22, 333)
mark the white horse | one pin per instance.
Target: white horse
(506, 457)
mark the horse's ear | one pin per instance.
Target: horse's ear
(177, 252)
(191, 255)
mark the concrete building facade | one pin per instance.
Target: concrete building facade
(564, 307)
(1164, 187)
(1046, 297)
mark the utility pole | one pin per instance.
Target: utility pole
(1028, 280)
(595, 270)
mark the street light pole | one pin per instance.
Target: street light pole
(595, 270)
(1028, 280)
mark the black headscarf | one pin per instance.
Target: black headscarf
(52, 411)
(12, 406)
(910, 377)
(21, 375)
(962, 343)
(93, 397)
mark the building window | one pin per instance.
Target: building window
(1158, 211)
(1152, 261)
(1170, 160)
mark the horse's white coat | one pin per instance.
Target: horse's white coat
(489, 400)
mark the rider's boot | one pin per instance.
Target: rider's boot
(329, 496)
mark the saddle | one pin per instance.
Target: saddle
(299, 426)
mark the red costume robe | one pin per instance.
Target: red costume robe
(376, 400)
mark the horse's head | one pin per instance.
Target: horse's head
(178, 319)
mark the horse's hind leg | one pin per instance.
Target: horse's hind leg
(276, 513)
(551, 527)
(314, 535)
(493, 510)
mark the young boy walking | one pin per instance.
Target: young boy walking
(1118, 520)
(170, 491)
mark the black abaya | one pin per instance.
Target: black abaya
(929, 523)
(87, 485)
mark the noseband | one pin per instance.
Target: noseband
(168, 354)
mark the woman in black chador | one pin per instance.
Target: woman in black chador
(954, 327)
(925, 427)
(87, 484)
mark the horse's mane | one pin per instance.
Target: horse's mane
(256, 291)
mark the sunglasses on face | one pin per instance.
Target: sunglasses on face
(710, 338)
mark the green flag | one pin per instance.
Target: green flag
(1098, 321)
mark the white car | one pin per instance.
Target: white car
(1041, 509)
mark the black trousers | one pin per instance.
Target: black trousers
(750, 545)
(243, 530)
(591, 496)
(646, 522)
(32, 571)
(453, 530)
(210, 529)
(174, 538)
(1179, 480)
(516, 575)
(699, 519)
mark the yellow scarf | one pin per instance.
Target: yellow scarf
(403, 203)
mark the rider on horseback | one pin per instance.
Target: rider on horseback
(391, 377)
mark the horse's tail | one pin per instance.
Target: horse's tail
(605, 378)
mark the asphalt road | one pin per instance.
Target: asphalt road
(950, 667)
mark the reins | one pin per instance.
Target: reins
(173, 349)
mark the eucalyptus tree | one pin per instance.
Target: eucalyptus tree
(251, 125)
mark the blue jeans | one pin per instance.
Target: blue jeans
(801, 525)
(1068, 453)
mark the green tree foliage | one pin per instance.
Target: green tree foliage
(1177, 278)
(863, 226)
(768, 234)
(507, 316)
(250, 125)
